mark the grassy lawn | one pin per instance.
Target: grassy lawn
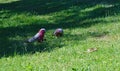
(87, 24)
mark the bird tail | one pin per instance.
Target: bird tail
(34, 38)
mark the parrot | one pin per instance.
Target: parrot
(38, 36)
(58, 32)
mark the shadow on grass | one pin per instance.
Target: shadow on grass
(38, 6)
(18, 47)
(10, 47)
(42, 7)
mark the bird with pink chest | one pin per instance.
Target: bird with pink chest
(58, 32)
(38, 37)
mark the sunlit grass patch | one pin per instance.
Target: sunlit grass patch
(7, 1)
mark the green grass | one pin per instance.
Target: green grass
(86, 24)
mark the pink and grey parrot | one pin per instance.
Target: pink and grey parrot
(58, 32)
(38, 37)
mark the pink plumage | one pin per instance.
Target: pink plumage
(58, 32)
(39, 36)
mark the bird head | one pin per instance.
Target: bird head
(42, 30)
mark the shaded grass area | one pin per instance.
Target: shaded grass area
(41, 7)
(49, 6)
(69, 14)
